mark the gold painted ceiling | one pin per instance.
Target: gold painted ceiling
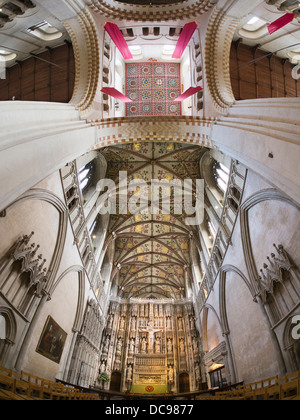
(152, 250)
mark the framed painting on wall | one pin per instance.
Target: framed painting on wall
(52, 341)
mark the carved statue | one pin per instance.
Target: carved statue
(106, 344)
(119, 345)
(170, 345)
(170, 374)
(110, 321)
(144, 345)
(103, 366)
(169, 324)
(132, 345)
(180, 324)
(133, 323)
(122, 323)
(157, 346)
(151, 331)
(129, 373)
(181, 346)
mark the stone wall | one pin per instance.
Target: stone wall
(256, 290)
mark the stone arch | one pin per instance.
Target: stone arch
(194, 130)
(11, 324)
(43, 195)
(220, 32)
(162, 12)
(223, 314)
(81, 295)
(224, 347)
(11, 332)
(253, 200)
(222, 293)
(206, 310)
(85, 39)
(290, 345)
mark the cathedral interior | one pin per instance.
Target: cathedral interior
(149, 232)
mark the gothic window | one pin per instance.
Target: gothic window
(91, 231)
(212, 230)
(221, 174)
(3, 335)
(84, 178)
(2, 327)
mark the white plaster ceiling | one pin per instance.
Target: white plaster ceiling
(282, 42)
(15, 38)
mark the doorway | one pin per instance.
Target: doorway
(115, 383)
(184, 383)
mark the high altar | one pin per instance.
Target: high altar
(151, 346)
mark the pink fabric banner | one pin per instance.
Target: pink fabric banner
(116, 35)
(115, 93)
(191, 91)
(281, 22)
(184, 39)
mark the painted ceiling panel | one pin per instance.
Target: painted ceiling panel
(152, 246)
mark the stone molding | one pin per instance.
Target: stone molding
(120, 11)
(85, 41)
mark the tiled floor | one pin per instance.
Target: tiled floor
(152, 87)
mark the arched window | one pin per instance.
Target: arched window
(212, 229)
(2, 327)
(221, 174)
(85, 175)
(3, 334)
(84, 178)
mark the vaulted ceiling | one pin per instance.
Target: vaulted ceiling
(152, 247)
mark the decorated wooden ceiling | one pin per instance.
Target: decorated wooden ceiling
(151, 245)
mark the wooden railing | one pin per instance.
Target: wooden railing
(25, 386)
(271, 389)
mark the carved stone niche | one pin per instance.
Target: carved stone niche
(22, 274)
(279, 284)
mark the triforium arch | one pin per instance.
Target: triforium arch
(262, 196)
(81, 272)
(7, 342)
(222, 353)
(223, 312)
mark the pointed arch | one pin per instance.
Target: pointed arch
(81, 292)
(44, 195)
